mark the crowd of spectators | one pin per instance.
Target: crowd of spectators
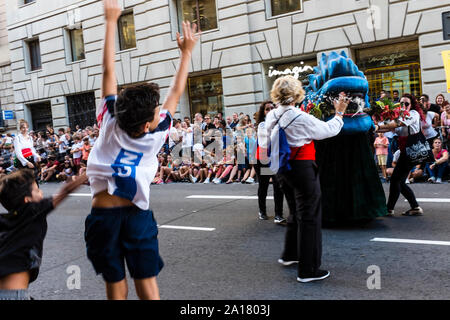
(211, 149)
(63, 154)
(436, 129)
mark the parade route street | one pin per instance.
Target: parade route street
(216, 248)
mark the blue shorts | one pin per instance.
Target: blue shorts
(116, 235)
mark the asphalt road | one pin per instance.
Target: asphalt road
(238, 259)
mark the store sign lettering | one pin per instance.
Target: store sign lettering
(390, 60)
(295, 72)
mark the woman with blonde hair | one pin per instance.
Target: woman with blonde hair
(301, 184)
(26, 155)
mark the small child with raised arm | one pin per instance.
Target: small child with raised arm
(122, 164)
(23, 229)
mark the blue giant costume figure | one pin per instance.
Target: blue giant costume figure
(351, 188)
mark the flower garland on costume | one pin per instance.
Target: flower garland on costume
(386, 111)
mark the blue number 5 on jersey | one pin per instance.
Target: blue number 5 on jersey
(125, 173)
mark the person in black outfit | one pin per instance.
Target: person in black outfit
(404, 128)
(260, 167)
(23, 229)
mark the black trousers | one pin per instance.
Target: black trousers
(264, 186)
(398, 185)
(303, 240)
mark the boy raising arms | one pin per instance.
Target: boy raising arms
(121, 166)
(23, 229)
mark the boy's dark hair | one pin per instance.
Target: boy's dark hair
(136, 106)
(15, 187)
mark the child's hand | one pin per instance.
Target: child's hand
(112, 10)
(190, 37)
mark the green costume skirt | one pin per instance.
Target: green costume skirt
(351, 187)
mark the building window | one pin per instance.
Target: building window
(81, 109)
(127, 33)
(391, 67)
(76, 44)
(446, 25)
(285, 6)
(206, 94)
(201, 12)
(33, 55)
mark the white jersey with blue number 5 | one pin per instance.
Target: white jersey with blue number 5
(122, 165)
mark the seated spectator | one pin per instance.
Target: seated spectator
(226, 165)
(165, 169)
(67, 174)
(437, 169)
(415, 174)
(395, 158)
(51, 169)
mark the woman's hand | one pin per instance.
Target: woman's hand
(341, 104)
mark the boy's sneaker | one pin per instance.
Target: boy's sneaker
(318, 275)
(438, 180)
(207, 181)
(279, 220)
(250, 180)
(263, 216)
(413, 212)
(432, 179)
(287, 262)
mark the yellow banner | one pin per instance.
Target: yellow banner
(446, 58)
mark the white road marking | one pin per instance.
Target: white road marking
(436, 200)
(185, 228)
(217, 197)
(440, 243)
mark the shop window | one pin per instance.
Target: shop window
(201, 12)
(391, 67)
(76, 41)
(33, 54)
(285, 6)
(81, 109)
(127, 32)
(206, 94)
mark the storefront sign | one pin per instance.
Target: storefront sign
(446, 58)
(388, 59)
(295, 72)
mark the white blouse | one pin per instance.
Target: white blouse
(20, 143)
(305, 128)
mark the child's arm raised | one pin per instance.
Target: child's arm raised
(67, 189)
(186, 45)
(112, 14)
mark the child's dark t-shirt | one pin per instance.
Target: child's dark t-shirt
(22, 234)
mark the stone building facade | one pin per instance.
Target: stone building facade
(6, 83)
(398, 43)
